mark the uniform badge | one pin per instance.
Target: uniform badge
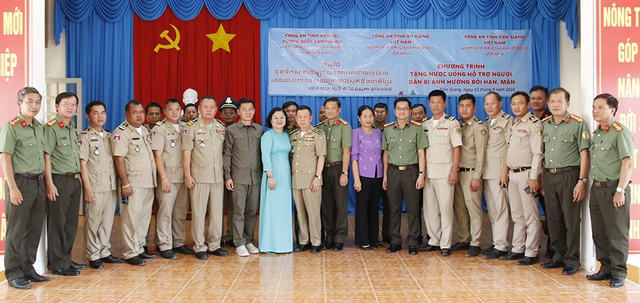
(607, 128)
(458, 130)
(116, 138)
(483, 131)
(79, 143)
(153, 133)
(539, 132)
(15, 121)
(202, 144)
(24, 124)
(617, 126)
(96, 151)
(568, 119)
(61, 124)
(184, 131)
(172, 144)
(137, 148)
(585, 135)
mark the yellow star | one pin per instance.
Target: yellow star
(221, 39)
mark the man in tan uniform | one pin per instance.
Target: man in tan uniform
(100, 186)
(202, 163)
(309, 150)
(171, 194)
(467, 202)
(524, 162)
(443, 158)
(131, 149)
(495, 194)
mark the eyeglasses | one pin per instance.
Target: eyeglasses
(402, 109)
(380, 112)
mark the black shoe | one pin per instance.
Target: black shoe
(219, 252)
(445, 252)
(67, 271)
(549, 254)
(327, 245)
(20, 283)
(528, 261)
(473, 251)
(146, 249)
(338, 246)
(599, 276)
(494, 254)
(366, 247)
(393, 248)
(569, 269)
(75, 265)
(378, 245)
(96, 264)
(202, 255)
(228, 243)
(413, 250)
(616, 281)
(428, 247)
(35, 277)
(111, 259)
(316, 249)
(147, 256)
(136, 261)
(301, 247)
(512, 256)
(183, 250)
(488, 249)
(552, 264)
(460, 246)
(168, 254)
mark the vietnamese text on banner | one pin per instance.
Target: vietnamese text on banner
(392, 62)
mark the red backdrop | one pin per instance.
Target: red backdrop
(221, 73)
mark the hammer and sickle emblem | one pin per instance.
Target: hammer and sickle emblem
(172, 43)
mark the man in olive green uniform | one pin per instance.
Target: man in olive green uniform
(524, 162)
(495, 194)
(171, 193)
(228, 115)
(443, 158)
(22, 156)
(566, 162)
(202, 163)
(611, 166)
(100, 186)
(136, 168)
(63, 188)
(309, 149)
(467, 202)
(403, 143)
(335, 193)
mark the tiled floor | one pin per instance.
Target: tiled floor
(352, 275)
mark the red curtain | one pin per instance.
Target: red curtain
(167, 73)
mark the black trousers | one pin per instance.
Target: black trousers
(367, 201)
(62, 215)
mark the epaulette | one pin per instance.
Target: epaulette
(85, 131)
(341, 121)
(450, 118)
(123, 126)
(52, 122)
(14, 121)
(159, 123)
(219, 121)
(546, 119)
(295, 131)
(318, 131)
(317, 125)
(191, 122)
(476, 120)
(388, 124)
(505, 116)
(576, 117)
(617, 126)
(487, 118)
(416, 123)
(425, 120)
(533, 118)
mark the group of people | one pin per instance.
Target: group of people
(444, 164)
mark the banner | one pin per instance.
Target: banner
(392, 62)
(14, 74)
(618, 73)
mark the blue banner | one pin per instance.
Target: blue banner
(392, 62)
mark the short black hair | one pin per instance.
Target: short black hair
(611, 101)
(401, 99)
(304, 107)
(561, 90)
(270, 115)
(438, 93)
(93, 103)
(172, 100)
(132, 102)
(245, 100)
(540, 88)
(495, 94)
(363, 108)
(467, 97)
(27, 90)
(419, 105)
(521, 93)
(208, 97)
(333, 99)
(150, 105)
(66, 95)
(289, 103)
(382, 105)
(189, 105)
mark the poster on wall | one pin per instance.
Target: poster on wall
(618, 73)
(392, 62)
(14, 74)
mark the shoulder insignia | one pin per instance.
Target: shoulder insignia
(123, 126)
(341, 121)
(487, 119)
(160, 122)
(477, 120)
(617, 126)
(425, 120)
(317, 130)
(451, 118)
(219, 121)
(533, 118)
(546, 119)
(577, 118)
(416, 123)
(190, 122)
(389, 124)
(84, 132)
(295, 131)
(505, 116)
(318, 125)
(14, 121)
(51, 122)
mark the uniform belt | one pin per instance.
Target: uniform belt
(403, 167)
(605, 184)
(466, 169)
(30, 176)
(333, 164)
(69, 175)
(521, 169)
(562, 169)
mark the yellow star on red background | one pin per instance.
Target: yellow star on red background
(220, 39)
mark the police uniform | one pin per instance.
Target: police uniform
(243, 164)
(563, 143)
(335, 197)
(468, 204)
(140, 168)
(496, 195)
(94, 149)
(205, 141)
(611, 143)
(524, 159)
(25, 143)
(172, 206)
(403, 144)
(61, 143)
(444, 136)
(228, 195)
(306, 148)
